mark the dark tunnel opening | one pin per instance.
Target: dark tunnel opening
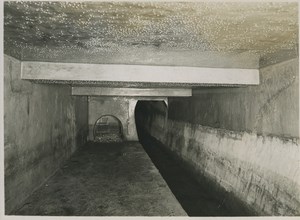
(197, 198)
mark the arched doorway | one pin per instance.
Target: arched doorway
(151, 116)
(108, 128)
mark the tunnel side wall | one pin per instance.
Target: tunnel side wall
(120, 107)
(268, 109)
(43, 125)
(243, 139)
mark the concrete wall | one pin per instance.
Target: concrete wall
(245, 140)
(120, 107)
(43, 126)
(271, 108)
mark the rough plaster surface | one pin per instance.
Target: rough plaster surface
(272, 108)
(218, 34)
(40, 131)
(261, 171)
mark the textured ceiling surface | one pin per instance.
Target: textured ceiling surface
(156, 33)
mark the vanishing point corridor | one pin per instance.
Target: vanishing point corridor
(150, 108)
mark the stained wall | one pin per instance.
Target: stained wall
(244, 140)
(120, 107)
(43, 126)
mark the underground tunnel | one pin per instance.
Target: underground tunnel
(150, 109)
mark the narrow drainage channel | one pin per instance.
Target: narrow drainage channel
(196, 198)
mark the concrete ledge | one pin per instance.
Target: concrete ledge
(251, 167)
(101, 91)
(138, 73)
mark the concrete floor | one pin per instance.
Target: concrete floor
(112, 179)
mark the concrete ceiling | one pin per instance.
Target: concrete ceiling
(236, 35)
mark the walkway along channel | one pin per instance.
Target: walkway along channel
(104, 179)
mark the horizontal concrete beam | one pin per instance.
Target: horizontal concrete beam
(138, 73)
(159, 92)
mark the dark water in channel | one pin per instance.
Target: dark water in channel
(197, 198)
